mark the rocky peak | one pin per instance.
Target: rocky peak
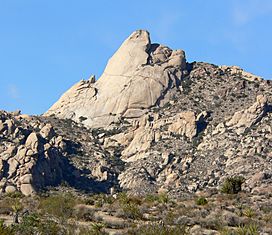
(131, 55)
(137, 77)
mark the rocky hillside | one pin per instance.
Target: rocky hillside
(153, 122)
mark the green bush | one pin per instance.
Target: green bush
(98, 227)
(29, 225)
(249, 212)
(33, 225)
(161, 198)
(15, 194)
(132, 211)
(201, 201)
(130, 206)
(250, 229)
(151, 198)
(232, 185)
(61, 206)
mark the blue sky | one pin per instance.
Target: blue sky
(48, 45)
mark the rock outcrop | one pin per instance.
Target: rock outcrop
(237, 71)
(137, 77)
(30, 159)
(244, 119)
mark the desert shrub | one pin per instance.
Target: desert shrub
(232, 185)
(201, 201)
(15, 194)
(33, 224)
(99, 200)
(157, 229)
(84, 213)
(16, 205)
(98, 227)
(169, 218)
(123, 198)
(249, 212)
(226, 231)
(28, 226)
(89, 201)
(104, 199)
(61, 205)
(132, 211)
(267, 217)
(130, 206)
(250, 229)
(52, 228)
(151, 198)
(5, 230)
(161, 198)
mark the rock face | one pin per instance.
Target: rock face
(244, 119)
(184, 124)
(137, 77)
(28, 161)
(33, 156)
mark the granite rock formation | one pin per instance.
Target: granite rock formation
(151, 123)
(137, 77)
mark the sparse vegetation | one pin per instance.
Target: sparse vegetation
(157, 229)
(59, 205)
(160, 198)
(65, 213)
(250, 229)
(130, 206)
(132, 211)
(84, 213)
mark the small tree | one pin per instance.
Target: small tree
(233, 185)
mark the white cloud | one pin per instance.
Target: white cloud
(244, 11)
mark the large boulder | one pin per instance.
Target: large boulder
(32, 142)
(136, 78)
(184, 123)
